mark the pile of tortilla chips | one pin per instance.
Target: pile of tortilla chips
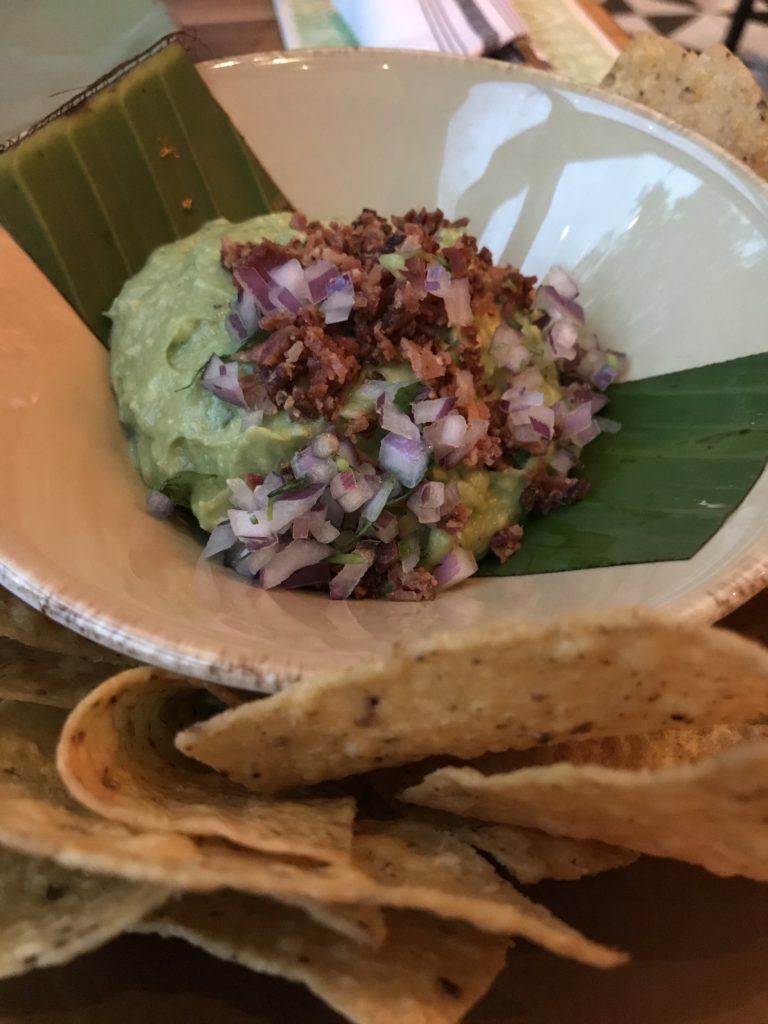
(365, 835)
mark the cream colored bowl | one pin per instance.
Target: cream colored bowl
(667, 235)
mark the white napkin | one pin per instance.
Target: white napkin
(453, 26)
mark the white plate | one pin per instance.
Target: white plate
(668, 236)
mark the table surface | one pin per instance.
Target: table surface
(699, 943)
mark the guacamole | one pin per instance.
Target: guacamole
(369, 406)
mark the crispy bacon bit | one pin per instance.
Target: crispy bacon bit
(505, 542)
(547, 491)
(417, 585)
(457, 519)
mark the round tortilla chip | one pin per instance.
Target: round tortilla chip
(117, 757)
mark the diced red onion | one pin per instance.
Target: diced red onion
(451, 499)
(587, 435)
(350, 490)
(410, 243)
(318, 275)
(256, 560)
(340, 299)
(290, 277)
(598, 402)
(458, 304)
(300, 528)
(562, 461)
(321, 528)
(315, 575)
(476, 429)
(236, 328)
(373, 509)
(394, 420)
(427, 501)
(455, 567)
(347, 451)
(283, 299)
(432, 409)
(607, 374)
(285, 508)
(221, 538)
(221, 379)
(446, 434)
(437, 279)
(542, 420)
(345, 581)
(325, 445)
(556, 306)
(243, 496)
(508, 348)
(404, 457)
(577, 420)
(295, 556)
(159, 505)
(261, 494)
(562, 282)
(250, 281)
(306, 463)
(385, 528)
(563, 336)
(608, 426)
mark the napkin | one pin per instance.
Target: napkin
(453, 26)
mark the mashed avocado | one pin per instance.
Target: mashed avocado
(166, 322)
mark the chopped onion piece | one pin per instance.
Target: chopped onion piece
(562, 462)
(608, 426)
(542, 421)
(325, 445)
(427, 501)
(404, 457)
(243, 496)
(577, 420)
(221, 538)
(476, 429)
(256, 560)
(306, 463)
(321, 528)
(437, 278)
(432, 409)
(340, 299)
(563, 336)
(268, 522)
(446, 434)
(221, 379)
(300, 528)
(556, 306)
(236, 328)
(455, 567)
(318, 275)
(295, 556)
(345, 581)
(385, 528)
(290, 276)
(318, 574)
(451, 500)
(588, 434)
(251, 283)
(394, 420)
(410, 553)
(508, 348)
(350, 490)
(159, 505)
(562, 282)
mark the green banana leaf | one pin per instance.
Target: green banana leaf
(690, 447)
(143, 161)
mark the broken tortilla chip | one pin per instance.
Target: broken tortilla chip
(50, 915)
(40, 677)
(712, 93)
(713, 812)
(117, 756)
(504, 688)
(20, 622)
(429, 971)
(39, 817)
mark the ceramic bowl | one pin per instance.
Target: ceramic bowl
(666, 234)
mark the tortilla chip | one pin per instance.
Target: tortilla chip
(429, 971)
(712, 93)
(40, 677)
(39, 817)
(418, 867)
(713, 812)
(502, 688)
(117, 757)
(20, 622)
(50, 915)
